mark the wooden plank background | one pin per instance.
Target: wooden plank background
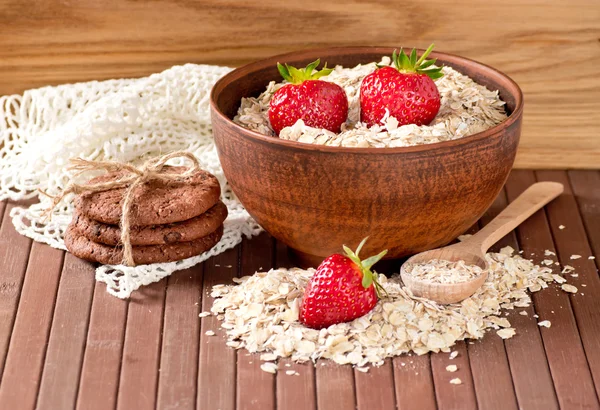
(550, 47)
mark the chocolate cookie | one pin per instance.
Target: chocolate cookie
(184, 231)
(156, 202)
(83, 248)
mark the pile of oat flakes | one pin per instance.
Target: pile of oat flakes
(466, 108)
(260, 314)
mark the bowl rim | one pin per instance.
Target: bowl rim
(515, 115)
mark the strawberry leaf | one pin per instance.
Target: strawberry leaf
(410, 64)
(295, 75)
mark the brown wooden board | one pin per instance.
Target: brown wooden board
(27, 348)
(103, 351)
(54, 41)
(178, 370)
(335, 386)
(14, 256)
(562, 342)
(586, 188)
(529, 381)
(255, 388)
(294, 391)
(375, 389)
(217, 364)
(64, 356)
(141, 349)
(450, 396)
(65, 342)
(571, 241)
(414, 383)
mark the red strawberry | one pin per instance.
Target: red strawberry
(406, 91)
(319, 104)
(342, 289)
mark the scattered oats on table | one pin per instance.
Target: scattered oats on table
(261, 315)
(269, 367)
(443, 271)
(549, 253)
(506, 333)
(567, 269)
(466, 108)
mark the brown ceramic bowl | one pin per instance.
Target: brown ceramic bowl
(316, 198)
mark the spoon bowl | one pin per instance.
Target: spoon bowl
(472, 251)
(446, 293)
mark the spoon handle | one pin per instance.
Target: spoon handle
(530, 201)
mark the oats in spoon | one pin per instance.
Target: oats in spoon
(443, 271)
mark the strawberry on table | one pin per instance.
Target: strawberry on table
(406, 90)
(318, 103)
(342, 289)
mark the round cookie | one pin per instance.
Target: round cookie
(156, 202)
(184, 231)
(83, 248)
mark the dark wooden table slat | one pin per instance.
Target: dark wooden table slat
(14, 256)
(64, 357)
(27, 349)
(100, 373)
(413, 382)
(181, 332)
(530, 377)
(375, 389)
(255, 388)
(217, 362)
(141, 349)
(564, 351)
(572, 240)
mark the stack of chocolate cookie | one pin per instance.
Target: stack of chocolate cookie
(170, 221)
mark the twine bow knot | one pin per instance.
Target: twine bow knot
(151, 170)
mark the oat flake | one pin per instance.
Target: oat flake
(456, 381)
(451, 368)
(569, 288)
(545, 323)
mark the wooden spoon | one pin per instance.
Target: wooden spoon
(473, 249)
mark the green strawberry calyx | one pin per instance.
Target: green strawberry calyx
(410, 64)
(295, 75)
(369, 278)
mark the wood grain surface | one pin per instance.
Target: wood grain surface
(66, 343)
(551, 48)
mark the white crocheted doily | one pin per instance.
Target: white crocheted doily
(121, 120)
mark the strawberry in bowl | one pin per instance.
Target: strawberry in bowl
(319, 104)
(405, 91)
